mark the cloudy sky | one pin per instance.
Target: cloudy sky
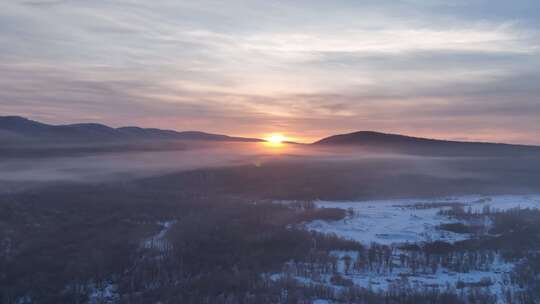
(467, 70)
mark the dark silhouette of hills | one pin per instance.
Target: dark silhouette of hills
(21, 133)
(15, 129)
(394, 143)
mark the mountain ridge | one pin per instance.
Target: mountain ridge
(378, 141)
(370, 133)
(18, 128)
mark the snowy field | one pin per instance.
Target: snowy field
(158, 241)
(442, 278)
(410, 220)
(394, 222)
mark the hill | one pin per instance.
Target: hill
(395, 143)
(16, 129)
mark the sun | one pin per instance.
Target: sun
(276, 139)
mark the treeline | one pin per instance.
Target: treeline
(515, 235)
(60, 243)
(501, 236)
(222, 253)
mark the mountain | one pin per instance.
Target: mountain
(395, 143)
(15, 129)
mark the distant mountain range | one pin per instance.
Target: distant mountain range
(376, 141)
(15, 129)
(19, 133)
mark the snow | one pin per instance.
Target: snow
(412, 221)
(158, 241)
(104, 295)
(440, 279)
(399, 221)
(505, 202)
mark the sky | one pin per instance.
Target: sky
(461, 70)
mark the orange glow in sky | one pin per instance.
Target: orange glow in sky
(276, 138)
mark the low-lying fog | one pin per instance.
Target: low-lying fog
(306, 166)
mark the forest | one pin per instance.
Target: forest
(96, 243)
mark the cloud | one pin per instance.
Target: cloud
(310, 68)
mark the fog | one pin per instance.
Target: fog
(288, 167)
(134, 164)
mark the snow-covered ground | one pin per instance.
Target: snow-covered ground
(158, 241)
(443, 277)
(497, 276)
(410, 220)
(106, 294)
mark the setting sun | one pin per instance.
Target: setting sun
(276, 139)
